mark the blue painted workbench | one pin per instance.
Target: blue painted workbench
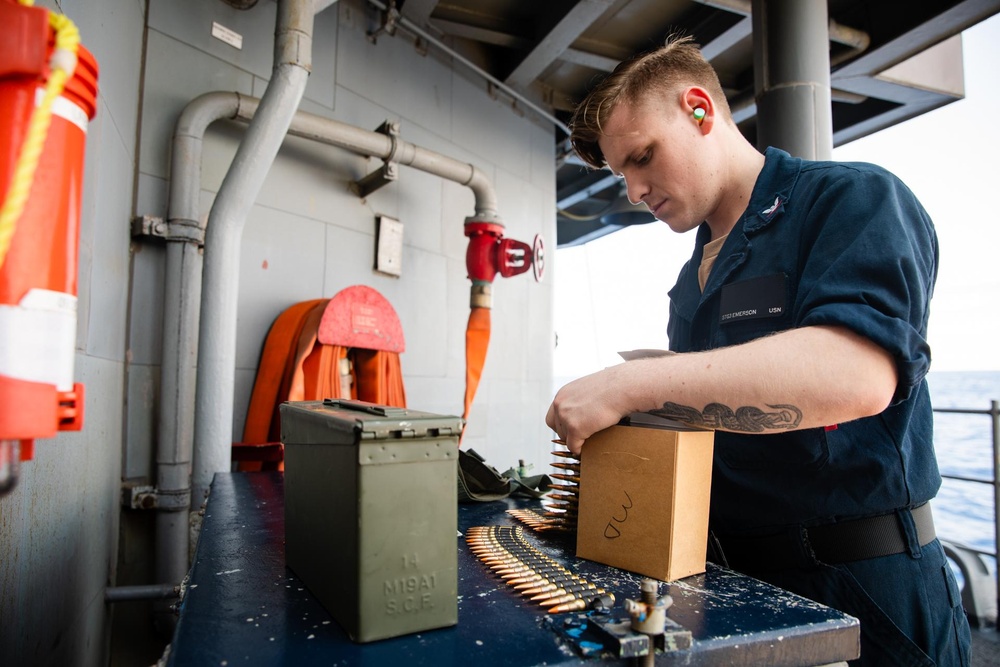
(242, 605)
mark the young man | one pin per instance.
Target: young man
(801, 320)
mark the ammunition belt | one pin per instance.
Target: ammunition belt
(563, 498)
(533, 574)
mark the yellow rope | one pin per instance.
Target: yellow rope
(62, 64)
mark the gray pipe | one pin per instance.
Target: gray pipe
(856, 40)
(792, 77)
(220, 289)
(182, 299)
(375, 144)
(136, 593)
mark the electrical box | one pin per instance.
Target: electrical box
(389, 248)
(371, 513)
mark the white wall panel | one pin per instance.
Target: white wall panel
(190, 22)
(111, 185)
(392, 73)
(175, 75)
(281, 263)
(58, 534)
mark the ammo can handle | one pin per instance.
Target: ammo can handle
(365, 406)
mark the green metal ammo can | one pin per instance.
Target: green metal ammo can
(371, 514)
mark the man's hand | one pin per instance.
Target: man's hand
(588, 405)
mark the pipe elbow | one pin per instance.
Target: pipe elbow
(204, 110)
(485, 194)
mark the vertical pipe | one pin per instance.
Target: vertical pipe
(175, 434)
(181, 307)
(792, 77)
(220, 288)
(995, 417)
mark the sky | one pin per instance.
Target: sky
(611, 294)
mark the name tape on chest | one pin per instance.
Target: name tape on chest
(752, 299)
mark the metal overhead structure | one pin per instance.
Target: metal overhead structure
(820, 73)
(562, 35)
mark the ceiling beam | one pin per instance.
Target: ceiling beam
(418, 11)
(944, 25)
(591, 60)
(551, 47)
(728, 39)
(494, 37)
(588, 191)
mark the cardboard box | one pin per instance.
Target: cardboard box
(644, 497)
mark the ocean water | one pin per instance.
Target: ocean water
(963, 510)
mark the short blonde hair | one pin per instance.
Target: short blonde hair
(677, 64)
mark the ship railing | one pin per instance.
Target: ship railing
(980, 591)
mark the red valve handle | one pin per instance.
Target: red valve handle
(490, 253)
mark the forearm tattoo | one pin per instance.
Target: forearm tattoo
(747, 419)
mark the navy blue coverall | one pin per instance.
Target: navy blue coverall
(846, 245)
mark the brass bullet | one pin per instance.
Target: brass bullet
(566, 589)
(558, 505)
(565, 454)
(598, 600)
(536, 590)
(603, 601)
(493, 558)
(512, 562)
(573, 605)
(566, 466)
(549, 583)
(510, 572)
(556, 529)
(557, 590)
(547, 595)
(536, 563)
(484, 553)
(535, 582)
(586, 595)
(554, 581)
(560, 599)
(540, 570)
(486, 539)
(568, 488)
(520, 568)
(518, 575)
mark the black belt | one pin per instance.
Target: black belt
(841, 542)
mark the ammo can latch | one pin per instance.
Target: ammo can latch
(365, 406)
(399, 423)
